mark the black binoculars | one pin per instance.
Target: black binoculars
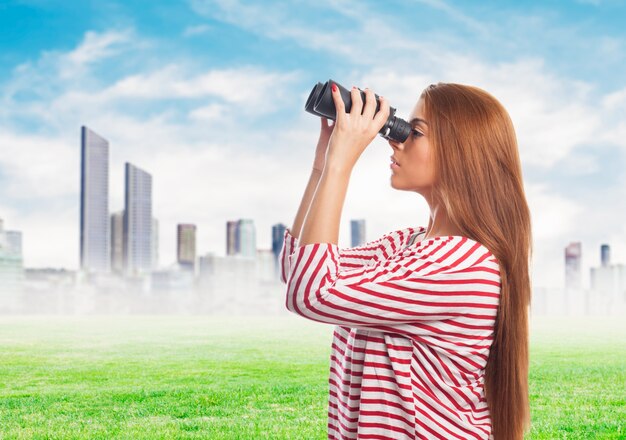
(320, 103)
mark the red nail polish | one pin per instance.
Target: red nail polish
(334, 87)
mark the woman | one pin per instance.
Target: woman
(431, 336)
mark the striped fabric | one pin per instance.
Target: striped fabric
(413, 327)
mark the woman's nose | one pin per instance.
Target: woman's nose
(394, 144)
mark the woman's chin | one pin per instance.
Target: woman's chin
(394, 184)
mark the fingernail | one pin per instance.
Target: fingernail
(334, 87)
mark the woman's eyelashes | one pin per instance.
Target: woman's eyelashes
(416, 133)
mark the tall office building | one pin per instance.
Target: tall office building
(278, 234)
(605, 255)
(94, 202)
(357, 232)
(246, 235)
(232, 237)
(137, 221)
(186, 245)
(573, 272)
(117, 242)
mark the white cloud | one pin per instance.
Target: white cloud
(458, 16)
(36, 167)
(68, 66)
(94, 48)
(197, 30)
(353, 39)
(247, 85)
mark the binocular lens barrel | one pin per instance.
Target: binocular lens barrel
(320, 103)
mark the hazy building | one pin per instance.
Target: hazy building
(186, 245)
(117, 242)
(265, 267)
(608, 289)
(94, 202)
(246, 234)
(278, 236)
(174, 279)
(573, 272)
(605, 255)
(232, 237)
(13, 242)
(11, 269)
(137, 221)
(229, 284)
(155, 243)
(357, 232)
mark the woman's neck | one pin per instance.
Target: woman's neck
(439, 224)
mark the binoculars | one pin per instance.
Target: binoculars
(320, 103)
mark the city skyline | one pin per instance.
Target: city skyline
(128, 245)
(226, 122)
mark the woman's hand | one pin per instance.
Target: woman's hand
(353, 132)
(322, 145)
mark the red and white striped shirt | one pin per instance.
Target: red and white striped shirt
(414, 325)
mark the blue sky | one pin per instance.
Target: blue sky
(208, 97)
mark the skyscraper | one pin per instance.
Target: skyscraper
(137, 221)
(94, 202)
(232, 237)
(278, 234)
(246, 235)
(186, 245)
(573, 272)
(117, 242)
(605, 255)
(357, 232)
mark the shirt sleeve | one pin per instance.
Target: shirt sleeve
(354, 257)
(440, 278)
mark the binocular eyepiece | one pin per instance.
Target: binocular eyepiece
(320, 103)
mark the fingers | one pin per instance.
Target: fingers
(383, 113)
(370, 105)
(357, 102)
(340, 107)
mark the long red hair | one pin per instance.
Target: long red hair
(479, 182)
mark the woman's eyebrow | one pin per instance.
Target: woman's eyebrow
(417, 121)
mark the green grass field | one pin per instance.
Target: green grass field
(139, 377)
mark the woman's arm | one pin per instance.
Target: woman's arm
(305, 203)
(316, 173)
(440, 279)
(352, 133)
(324, 216)
(367, 254)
